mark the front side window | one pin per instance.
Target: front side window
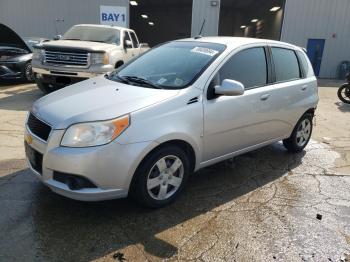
(93, 34)
(286, 64)
(248, 67)
(174, 65)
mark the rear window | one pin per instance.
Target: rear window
(286, 64)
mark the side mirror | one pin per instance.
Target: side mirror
(57, 37)
(127, 44)
(229, 87)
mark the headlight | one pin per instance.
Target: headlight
(99, 58)
(95, 133)
(38, 54)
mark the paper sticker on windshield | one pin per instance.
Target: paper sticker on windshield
(204, 51)
(161, 81)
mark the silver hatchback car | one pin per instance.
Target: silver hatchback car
(182, 106)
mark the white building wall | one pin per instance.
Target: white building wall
(38, 17)
(320, 19)
(208, 11)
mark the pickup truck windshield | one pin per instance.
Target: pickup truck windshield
(93, 34)
(174, 65)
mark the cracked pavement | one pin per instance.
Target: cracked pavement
(261, 206)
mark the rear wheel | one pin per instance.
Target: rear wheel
(344, 93)
(301, 134)
(161, 177)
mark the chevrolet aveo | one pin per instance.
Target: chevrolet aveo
(184, 105)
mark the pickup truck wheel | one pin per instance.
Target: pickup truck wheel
(301, 135)
(45, 88)
(161, 177)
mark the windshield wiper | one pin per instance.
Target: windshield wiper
(140, 80)
(75, 39)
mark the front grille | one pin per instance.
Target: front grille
(68, 58)
(38, 127)
(34, 157)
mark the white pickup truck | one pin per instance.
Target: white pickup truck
(83, 52)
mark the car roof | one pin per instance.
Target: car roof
(103, 26)
(234, 42)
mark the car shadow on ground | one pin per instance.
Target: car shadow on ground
(343, 107)
(68, 230)
(20, 99)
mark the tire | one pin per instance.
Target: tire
(28, 72)
(154, 184)
(344, 93)
(301, 134)
(45, 88)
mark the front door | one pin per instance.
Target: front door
(315, 51)
(232, 123)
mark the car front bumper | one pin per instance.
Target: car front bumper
(109, 167)
(11, 70)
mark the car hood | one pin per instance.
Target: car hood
(82, 45)
(9, 38)
(95, 99)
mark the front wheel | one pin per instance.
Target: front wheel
(344, 93)
(161, 177)
(301, 134)
(28, 72)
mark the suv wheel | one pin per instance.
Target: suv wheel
(301, 134)
(161, 177)
(45, 88)
(28, 72)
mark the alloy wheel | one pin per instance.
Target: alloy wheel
(165, 177)
(304, 132)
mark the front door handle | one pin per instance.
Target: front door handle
(304, 87)
(264, 97)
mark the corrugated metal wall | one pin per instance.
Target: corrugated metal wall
(205, 9)
(320, 19)
(38, 17)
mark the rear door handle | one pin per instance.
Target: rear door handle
(304, 87)
(264, 97)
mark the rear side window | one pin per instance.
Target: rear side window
(135, 43)
(248, 67)
(286, 64)
(304, 63)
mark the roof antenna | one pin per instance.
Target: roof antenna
(200, 32)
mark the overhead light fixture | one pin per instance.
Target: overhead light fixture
(144, 16)
(151, 23)
(275, 8)
(243, 26)
(134, 3)
(254, 20)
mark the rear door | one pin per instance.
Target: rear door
(292, 88)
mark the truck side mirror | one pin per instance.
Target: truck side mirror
(127, 44)
(57, 37)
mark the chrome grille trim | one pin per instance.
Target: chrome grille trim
(68, 59)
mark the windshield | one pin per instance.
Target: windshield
(93, 34)
(174, 65)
